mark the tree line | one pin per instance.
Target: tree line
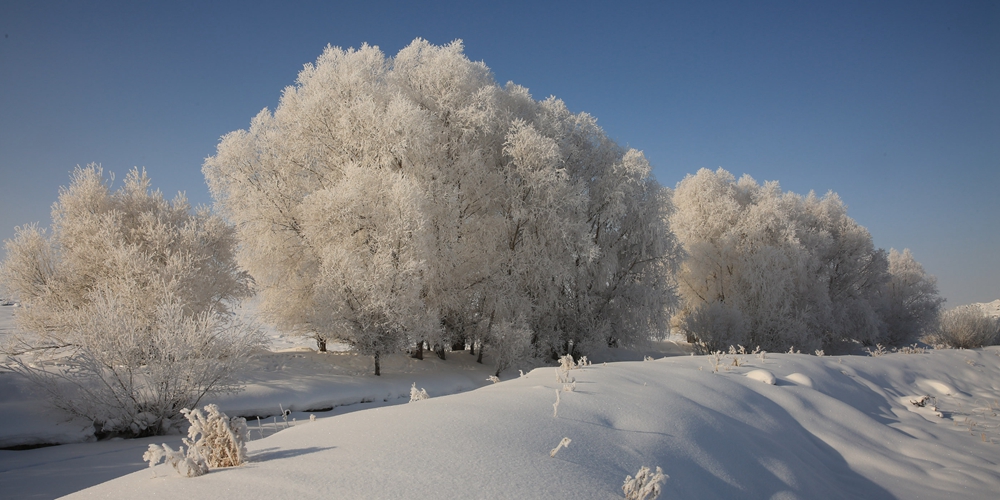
(400, 202)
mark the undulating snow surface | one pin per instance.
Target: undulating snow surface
(828, 427)
(728, 426)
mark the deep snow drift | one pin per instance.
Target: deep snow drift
(830, 427)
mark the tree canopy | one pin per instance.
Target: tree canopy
(389, 200)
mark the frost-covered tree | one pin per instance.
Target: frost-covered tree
(772, 269)
(619, 290)
(741, 253)
(368, 235)
(910, 300)
(482, 207)
(131, 293)
(850, 271)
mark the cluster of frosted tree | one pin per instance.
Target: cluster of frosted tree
(392, 201)
(130, 292)
(777, 270)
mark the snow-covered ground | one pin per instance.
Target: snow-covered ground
(829, 427)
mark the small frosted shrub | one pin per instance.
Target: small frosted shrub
(966, 327)
(645, 485)
(912, 349)
(715, 358)
(566, 363)
(418, 394)
(187, 463)
(880, 350)
(492, 378)
(218, 438)
(214, 440)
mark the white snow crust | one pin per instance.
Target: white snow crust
(717, 435)
(921, 425)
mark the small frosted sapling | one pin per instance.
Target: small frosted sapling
(555, 407)
(761, 355)
(418, 394)
(715, 358)
(820, 353)
(562, 444)
(647, 358)
(645, 485)
(492, 378)
(566, 363)
(880, 350)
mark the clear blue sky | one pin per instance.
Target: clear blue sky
(893, 105)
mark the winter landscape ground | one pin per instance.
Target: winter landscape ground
(724, 426)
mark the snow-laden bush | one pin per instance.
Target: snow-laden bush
(966, 327)
(133, 375)
(418, 394)
(645, 485)
(214, 440)
(218, 438)
(187, 462)
(125, 315)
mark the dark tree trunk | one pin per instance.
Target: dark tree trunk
(418, 353)
(489, 330)
(439, 350)
(472, 347)
(321, 344)
(378, 372)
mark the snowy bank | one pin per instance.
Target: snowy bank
(918, 425)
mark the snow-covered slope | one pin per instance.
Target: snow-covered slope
(830, 427)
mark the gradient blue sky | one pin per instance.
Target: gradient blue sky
(893, 105)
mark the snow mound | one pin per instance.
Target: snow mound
(762, 376)
(800, 379)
